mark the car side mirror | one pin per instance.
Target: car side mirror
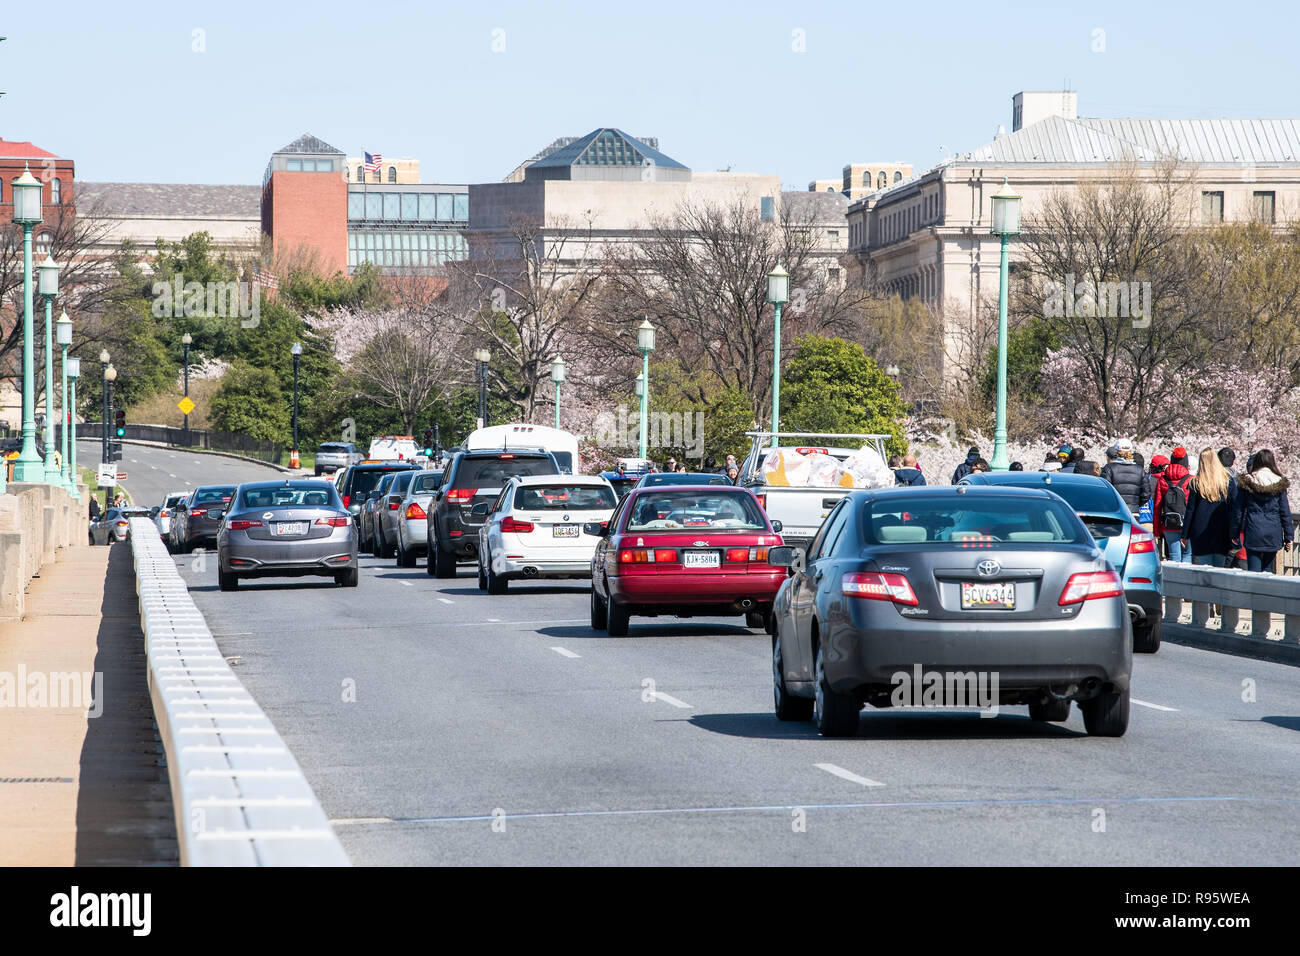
(354, 508)
(597, 529)
(786, 557)
(479, 510)
(777, 526)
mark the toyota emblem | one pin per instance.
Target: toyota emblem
(987, 569)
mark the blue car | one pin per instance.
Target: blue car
(657, 478)
(1129, 547)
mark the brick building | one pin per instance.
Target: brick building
(304, 201)
(57, 196)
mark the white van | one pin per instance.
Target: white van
(562, 444)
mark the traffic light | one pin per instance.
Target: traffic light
(114, 451)
(119, 423)
(428, 442)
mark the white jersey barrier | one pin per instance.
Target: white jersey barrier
(240, 797)
(1241, 596)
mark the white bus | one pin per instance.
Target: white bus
(562, 444)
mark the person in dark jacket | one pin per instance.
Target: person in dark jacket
(1086, 466)
(1126, 475)
(909, 473)
(1261, 512)
(1175, 474)
(1210, 498)
(1236, 554)
(1228, 458)
(965, 468)
(94, 507)
(1065, 455)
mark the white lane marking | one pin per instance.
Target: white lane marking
(848, 775)
(446, 600)
(406, 584)
(1143, 703)
(565, 652)
(669, 699)
(135, 461)
(349, 821)
(494, 620)
(169, 475)
(154, 467)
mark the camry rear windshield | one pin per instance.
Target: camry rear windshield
(698, 510)
(971, 520)
(496, 471)
(564, 497)
(317, 494)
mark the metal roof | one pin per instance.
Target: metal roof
(191, 201)
(307, 143)
(606, 147)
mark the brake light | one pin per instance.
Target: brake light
(1140, 541)
(762, 501)
(878, 587)
(1090, 585)
(334, 522)
(665, 555)
(635, 556)
(243, 525)
(515, 526)
(121, 524)
(392, 505)
(200, 512)
(738, 554)
(413, 510)
(504, 457)
(461, 494)
(347, 500)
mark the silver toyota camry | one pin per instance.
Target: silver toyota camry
(286, 529)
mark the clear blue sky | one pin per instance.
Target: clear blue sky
(118, 88)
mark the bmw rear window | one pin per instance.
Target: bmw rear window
(496, 471)
(563, 497)
(970, 520)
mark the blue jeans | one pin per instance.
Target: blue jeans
(1260, 561)
(1174, 544)
(1213, 560)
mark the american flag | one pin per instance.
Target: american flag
(373, 162)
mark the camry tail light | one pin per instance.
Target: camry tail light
(461, 494)
(878, 587)
(392, 505)
(334, 522)
(413, 510)
(1140, 541)
(516, 527)
(1090, 585)
(738, 554)
(242, 525)
(198, 512)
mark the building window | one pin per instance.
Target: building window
(1212, 206)
(830, 189)
(55, 184)
(361, 174)
(898, 177)
(882, 180)
(293, 165)
(832, 233)
(356, 205)
(866, 178)
(43, 242)
(392, 174)
(767, 209)
(1264, 206)
(461, 211)
(392, 206)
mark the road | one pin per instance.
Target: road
(440, 725)
(152, 471)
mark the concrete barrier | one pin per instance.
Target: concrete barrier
(1241, 596)
(240, 797)
(36, 521)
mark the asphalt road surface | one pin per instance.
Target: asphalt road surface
(152, 472)
(440, 725)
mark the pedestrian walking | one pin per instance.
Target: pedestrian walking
(1209, 511)
(1170, 508)
(1261, 513)
(908, 473)
(1126, 475)
(967, 466)
(94, 507)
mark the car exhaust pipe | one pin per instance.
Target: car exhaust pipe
(746, 603)
(530, 571)
(1064, 692)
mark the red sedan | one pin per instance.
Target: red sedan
(687, 551)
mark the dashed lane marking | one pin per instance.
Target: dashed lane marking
(848, 775)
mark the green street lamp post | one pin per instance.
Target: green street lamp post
(74, 373)
(640, 394)
(1006, 223)
(558, 372)
(482, 357)
(778, 293)
(63, 330)
(47, 284)
(186, 341)
(27, 213)
(645, 341)
(103, 404)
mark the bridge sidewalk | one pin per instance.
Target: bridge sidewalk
(79, 789)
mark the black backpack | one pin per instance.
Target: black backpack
(1173, 506)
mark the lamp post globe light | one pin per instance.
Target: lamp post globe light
(63, 336)
(110, 376)
(47, 284)
(482, 357)
(103, 404)
(186, 341)
(778, 293)
(645, 341)
(558, 372)
(74, 373)
(1006, 223)
(294, 461)
(27, 213)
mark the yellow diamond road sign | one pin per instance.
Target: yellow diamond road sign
(185, 405)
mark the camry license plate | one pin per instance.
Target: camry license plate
(1000, 597)
(565, 531)
(702, 559)
(291, 527)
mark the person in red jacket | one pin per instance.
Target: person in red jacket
(1168, 516)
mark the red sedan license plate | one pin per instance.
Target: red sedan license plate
(702, 559)
(1000, 596)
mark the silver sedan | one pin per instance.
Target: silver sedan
(286, 529)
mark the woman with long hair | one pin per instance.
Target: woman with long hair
(1261, 512)
(1210, 500)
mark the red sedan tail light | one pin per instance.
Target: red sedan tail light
(515, 526)
(738, 554)
(413, 510)
(1140, 541)
(1090, 585)
(878, 587)
(334, 522)
(242, 525)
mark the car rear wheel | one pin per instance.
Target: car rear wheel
(786, 707)
(1050, 711)
(227, 580)
(599, 619)
(482, 576)
(382, 547)
(1106, 715)
(496, 584)
(405, 559)
(836, 715)
(444, 565)
(431, 558)
(616, 618)
(1146, 637)
(756, 619)
(348, 578)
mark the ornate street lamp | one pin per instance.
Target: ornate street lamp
(47, 284)
(1006, 223)
(294, 461)
(645, 341)
(103, 416)
(63, 330)
(482, 357)
(74, 373)
(557, 376)
(186, 341)
(778, 293)
(27, 213)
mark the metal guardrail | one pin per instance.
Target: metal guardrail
(203, 438)
(240, 797)
(1236, 592)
